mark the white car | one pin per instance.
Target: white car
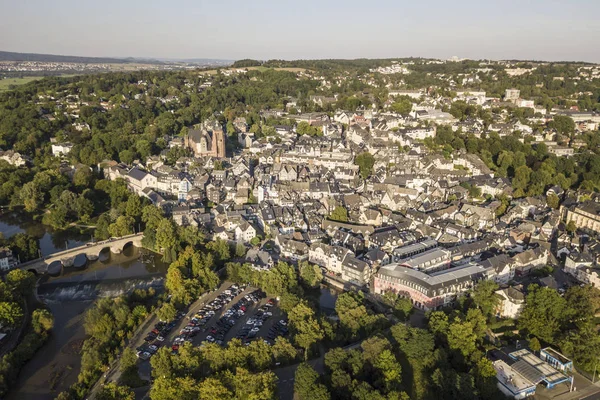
(160, 338)
(282, 322)
(210, 339)
(251, 321)
(153, 347)
(255, 329)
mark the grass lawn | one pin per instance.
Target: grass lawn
(5, 83)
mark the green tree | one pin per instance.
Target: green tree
(403, 107)
(23, 282)
(152, 216)
(563, 124)
(84, 208)
(403, 308)
(254, 386)
(127, 156)
(220, 248)
(83, 177)
(339, 214)
(583, 345)
(240, 250)
(389, 367)
(534, 345)
(102, 226)
(112, 391)
(304, 327)
(167, 312)
(485, 298)
(213, 389)
(311, 274)
(521, 179)
(485, 379)
(544, 314)
(166, 238)
(24, 246)
(553, 201)
(283, 351)
(462, 337)
(129, 368)
(354, 317)
(583, 303)
(31, 196)
(123, 226)
(10, 313)
(571, 227)
(133, 207)
(307, 386)
(365, 162)
(42, 320)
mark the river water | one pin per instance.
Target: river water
(56, 365)
(327, 298)
(50, 240)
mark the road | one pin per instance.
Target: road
(286, 375)
(145, 369)
(114, 373)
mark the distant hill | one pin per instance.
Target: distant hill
(10, 56)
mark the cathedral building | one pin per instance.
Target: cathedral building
(206, 143)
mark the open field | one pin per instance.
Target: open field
(5, 83)
(261, 69)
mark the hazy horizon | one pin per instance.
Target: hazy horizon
(232, 30)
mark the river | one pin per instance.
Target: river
(327, 298)
(56, 365)
(50, 240)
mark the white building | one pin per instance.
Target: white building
(512, 302)
(59, 149)
(512, 383)
(512, 95)
(244, 232)
(7, 260)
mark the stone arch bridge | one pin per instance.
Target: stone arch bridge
(91, 250)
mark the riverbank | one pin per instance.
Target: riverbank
(56, 365)
(50, 240)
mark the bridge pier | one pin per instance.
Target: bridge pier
(116, 249)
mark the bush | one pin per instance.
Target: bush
(11, 364)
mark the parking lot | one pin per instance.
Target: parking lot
(232, 311)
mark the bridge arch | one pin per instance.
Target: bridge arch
(128, 244)
(55, 268)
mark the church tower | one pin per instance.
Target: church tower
(219, 138)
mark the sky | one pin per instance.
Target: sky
(304, 29)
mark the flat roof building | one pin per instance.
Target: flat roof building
(556, 359)
(536, 370)
(511, 383)
(410, 250)
(429, 261)
(428, 291)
